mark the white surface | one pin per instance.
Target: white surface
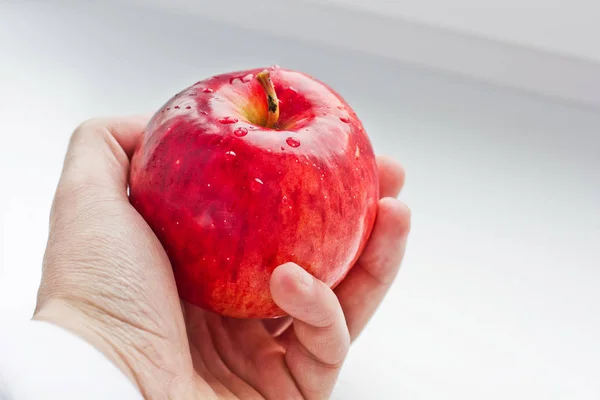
(42, 361)
(498, 295)
(441, 36)
(568, 27)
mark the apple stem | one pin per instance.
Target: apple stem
(264, 78)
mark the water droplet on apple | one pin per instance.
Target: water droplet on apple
(177, 162)
(207, 90)
(177, 107)
(285, 201)
(228, 120)
(188, 107)
(242, 78)
(292, 142)
(240, 132)
(230, 155)
(168, 108)
(282, 148)
(204, 112)
(357, 153)
(256, 185)
(345, 119)
(208, 185)
(269, 150)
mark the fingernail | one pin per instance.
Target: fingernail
(305, 280)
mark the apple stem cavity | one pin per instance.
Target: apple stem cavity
(264, 78)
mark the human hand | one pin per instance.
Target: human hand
(107, 278)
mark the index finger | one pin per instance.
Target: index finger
(99, 152)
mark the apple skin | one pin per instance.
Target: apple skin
(230, 199)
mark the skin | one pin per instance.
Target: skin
(297, 185)
(107, 278)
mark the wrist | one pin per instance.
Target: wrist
(65, 315)
(141, 355)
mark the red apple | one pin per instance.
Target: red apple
(245, 171)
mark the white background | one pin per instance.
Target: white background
(498, 297)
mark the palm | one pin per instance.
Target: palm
(247, 358)
(241, 358)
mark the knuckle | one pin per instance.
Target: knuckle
(97, 133)
(323, 318)
(88, 125)
(332, 349)
(324, 308)
(329, 344)
(90, 132)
